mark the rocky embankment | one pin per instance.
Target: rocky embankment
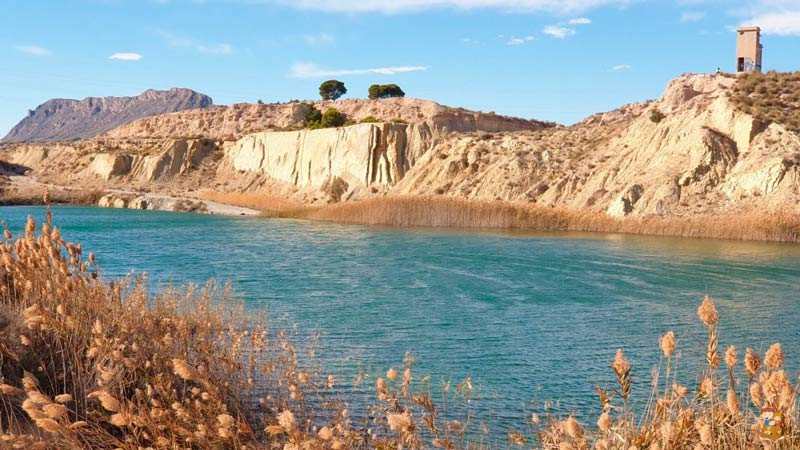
(692, 152)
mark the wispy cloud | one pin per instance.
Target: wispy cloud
(177, 41)
(562, 7)
(319, 39)
(621, 67)
(558, 32)
(467, 40)
(311, 70)
(125, 56)
(519, 40)
(692, 16)
(580, 21)
(786, 23)
(34, 50)
(777, 17)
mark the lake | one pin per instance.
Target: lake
(528, 316)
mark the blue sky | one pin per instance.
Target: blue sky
(545, 59)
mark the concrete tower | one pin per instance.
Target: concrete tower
(748, 49)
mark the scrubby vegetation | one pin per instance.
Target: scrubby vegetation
(770, 97)
(656, 116)
(311, 115)
(332, 118)
(95, 365)
(335, 189)
(314, 119)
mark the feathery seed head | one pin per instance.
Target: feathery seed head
(708, 312)
(773, 359)
(667, 343)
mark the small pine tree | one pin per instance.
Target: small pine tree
(332, 90)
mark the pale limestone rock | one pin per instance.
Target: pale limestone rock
(107, 165)
(361, 155)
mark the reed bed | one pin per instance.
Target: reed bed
(92, 364)
(462, 213)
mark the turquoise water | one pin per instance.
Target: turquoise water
(527, 316)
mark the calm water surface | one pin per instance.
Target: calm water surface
(527, 316)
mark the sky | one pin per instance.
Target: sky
(544, 59)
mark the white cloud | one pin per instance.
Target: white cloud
(558, 32)
(692, 16)
(311, 70)
(126, 56)
(467, 40)
(784, 23)
(200, 47)
(580, 21)
(406, 6)
(34, 50)
(620, 67)
(519, 40)
(319, 39)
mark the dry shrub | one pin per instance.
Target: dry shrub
(455, 212)
(335, 188)
(770, 97)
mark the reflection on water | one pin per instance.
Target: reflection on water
(527, 315)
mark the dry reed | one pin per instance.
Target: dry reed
(462, 213)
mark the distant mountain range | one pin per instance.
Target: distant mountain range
(67, 120)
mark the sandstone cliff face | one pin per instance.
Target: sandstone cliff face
(67, 120)
(362, 155)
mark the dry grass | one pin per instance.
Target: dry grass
(770, 97)
(455, 212)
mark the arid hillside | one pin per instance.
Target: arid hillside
(695, 151)
(228, 123)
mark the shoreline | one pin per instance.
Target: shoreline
(430, 212)
(459, 213)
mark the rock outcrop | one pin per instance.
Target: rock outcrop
(362, 155)
(68, 120)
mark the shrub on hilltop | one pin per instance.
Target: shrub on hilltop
(332, 118)
(377, 91)
(310, 115)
